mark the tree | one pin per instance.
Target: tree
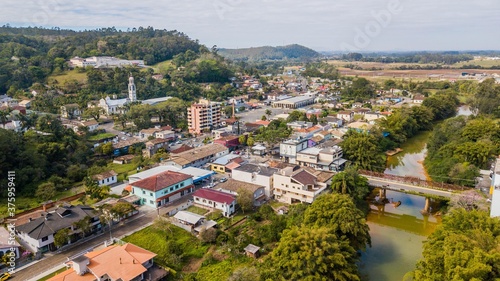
(85, 225)
(242, 139)
(245, 199)
(312, 254)
(93, 189)
(93, 112)
(463, 247)
(362, 149)
(250, 141)
(208, 235)
(121, 209)
(350, 182)
(263, 118)
(45, 191)
(339, 213)
(268, 112)
(61, 237)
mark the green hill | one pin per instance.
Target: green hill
(270, 53)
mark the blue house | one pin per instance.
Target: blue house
(163, 188)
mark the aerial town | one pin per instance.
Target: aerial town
(124, 162)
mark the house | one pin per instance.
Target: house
(289, 149)
(199, 156)
(162, 188)
(252, 251)
(192, 222)
(418, 99)
(327, 159)
(8, 244)
(78, 125)
(292, 185)
(233, 186)
(334, 121)
(199, 175)
(165, 133)
(216, 200)
(117, 262)
(226, 163)
(25, 103)
(106, 178)
(347, 116)
(37, 235)
(256, 174)
(122, 147)
(91, 125)
(231, 142)
(180, 149)
(70, 111)
(153, 146)
(125, 159)
(370, 117)
(146, 133)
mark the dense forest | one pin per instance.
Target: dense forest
(420, 57)
(270, 53)
(30, 55)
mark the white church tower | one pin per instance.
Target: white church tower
(132, 95)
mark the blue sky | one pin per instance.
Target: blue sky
(325, 25)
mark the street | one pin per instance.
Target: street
(126, 227)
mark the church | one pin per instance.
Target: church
(115, 106)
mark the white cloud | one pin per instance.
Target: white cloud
(323, 24)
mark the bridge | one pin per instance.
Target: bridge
(411, 184)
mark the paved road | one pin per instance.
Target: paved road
(126, 227)
(398, 186)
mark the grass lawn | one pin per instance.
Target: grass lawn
(26, 203)
(160, 242)
(162, 67)
(197, 210)
(222, 270)
(123, 168)
(52, 274)
(81, 77)
(101, 136)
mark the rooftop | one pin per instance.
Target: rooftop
(235, 185)
(214, 195)
(198, 153)
(188, 217)
(161, 181)
(105, 175)
(258, 169)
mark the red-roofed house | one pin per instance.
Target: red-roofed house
(231, 142)
(162, 188)
(215, 199)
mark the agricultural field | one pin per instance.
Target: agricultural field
(71, 75)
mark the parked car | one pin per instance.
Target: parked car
(4, 276)
(223, 180)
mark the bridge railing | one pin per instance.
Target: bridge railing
(415, 181)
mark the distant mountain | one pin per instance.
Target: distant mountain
(270, 53)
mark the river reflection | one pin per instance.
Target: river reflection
(397, 234)
(409, 162)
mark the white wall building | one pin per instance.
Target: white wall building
(289, 149)
(256, 174)
(215, 199)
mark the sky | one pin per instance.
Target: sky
(323, 25)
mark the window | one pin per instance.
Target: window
(45, 238)
(143, 192)
(182, 184)
(151, 202)
(197, 199)
(209, 202)
(151, 194)
(170, 189)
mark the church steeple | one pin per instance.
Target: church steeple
(132, 95)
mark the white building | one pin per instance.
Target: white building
(104, 62)
(495, 190)
(300, 186)
(256, 174)
(106, 178)
(289, 149)
(327, 159)
(115, 106)
(215, 199)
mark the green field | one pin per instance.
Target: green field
(481, 62)
(162, 67)
(63, 78)
(101, 136)
(197, 210)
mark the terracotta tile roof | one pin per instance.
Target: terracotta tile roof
(118, 262)
(263, 122)
(303, 177)
(214, 195)
(162, 180)
(104, 175)
(181, 149)
(201, 152)
(156, 141)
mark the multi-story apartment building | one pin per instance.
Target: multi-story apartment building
(289, 149)
(327, 159)
(302, 185)
(204, 115)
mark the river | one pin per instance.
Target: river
(397, 233)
